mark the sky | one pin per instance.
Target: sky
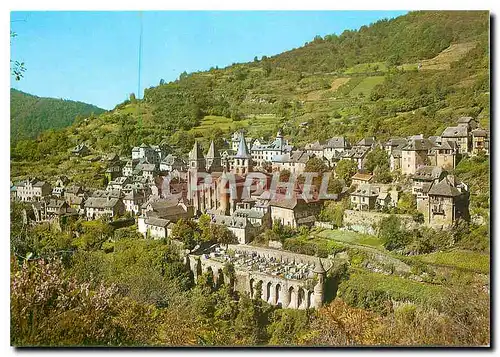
(93, 56)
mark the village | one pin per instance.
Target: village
(157, 188)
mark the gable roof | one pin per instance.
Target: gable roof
(157, 222)
(444, 188)
(418, 145)
(454, 132)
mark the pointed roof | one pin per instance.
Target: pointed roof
(212, 153)
(318, 268)
(195, 153)
(242, 152)
(445, 188)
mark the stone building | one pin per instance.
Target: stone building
(97, 207)
(414, 155)
(262, 152)
(295, 162)
(480, 141)
(288, 280)
(294, 211)
(444, 155)
(364, 198)
(32, 189)
(133, 201)
(460, 135)
(448, 201)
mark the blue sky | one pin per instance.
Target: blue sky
(93, 56)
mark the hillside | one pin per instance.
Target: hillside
(413, 74)
(30, 115)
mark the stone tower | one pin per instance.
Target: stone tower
(196, 164)
(242, 159)
(213, 159)
(319, 289)
(279, 139)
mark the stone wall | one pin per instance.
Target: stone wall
(280, 254)
(366, 221)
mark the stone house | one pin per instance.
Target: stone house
(156, 228)
(129, 166)
(315, 148)
(469, 122)
(424, 177)
(56, 207)
(173, 163)
(459, 135)
(414, 155)
(448, 202)
(294, 162)
(118, 183)
(133, 202)
(480, 141)
(73, 194)
(97, 207)
(395, 159)
(262, 152)
(32, 189)
(444, 155)
(334, 146)
(364, 198)
(294, 211)
(241, 227)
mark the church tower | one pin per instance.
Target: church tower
(279, 140)
(213, 159)
(196, 164)
(242, 160)
(196, 158)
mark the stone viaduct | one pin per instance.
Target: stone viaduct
(276, 290)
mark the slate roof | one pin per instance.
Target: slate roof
(444, 188)
(366, 190)
(480, 133)
(196, 153)
(418, 145)
(157, 222)
(369, 141)
(242, 152)
(465, 120)
(250, 213)
(454, 132)
(101, 202)
(428, 173)
(337, 142)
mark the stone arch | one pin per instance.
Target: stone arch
(292, 298)
(251, 288)
(268, 292)
(199, 269)
(309, 299)
(278, 295)
(210, 274)
(258, 290)
(301, 299)
(220, 278)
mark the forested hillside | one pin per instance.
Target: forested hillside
(30, 115)
(413, 74)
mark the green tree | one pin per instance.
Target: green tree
(345, 169)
